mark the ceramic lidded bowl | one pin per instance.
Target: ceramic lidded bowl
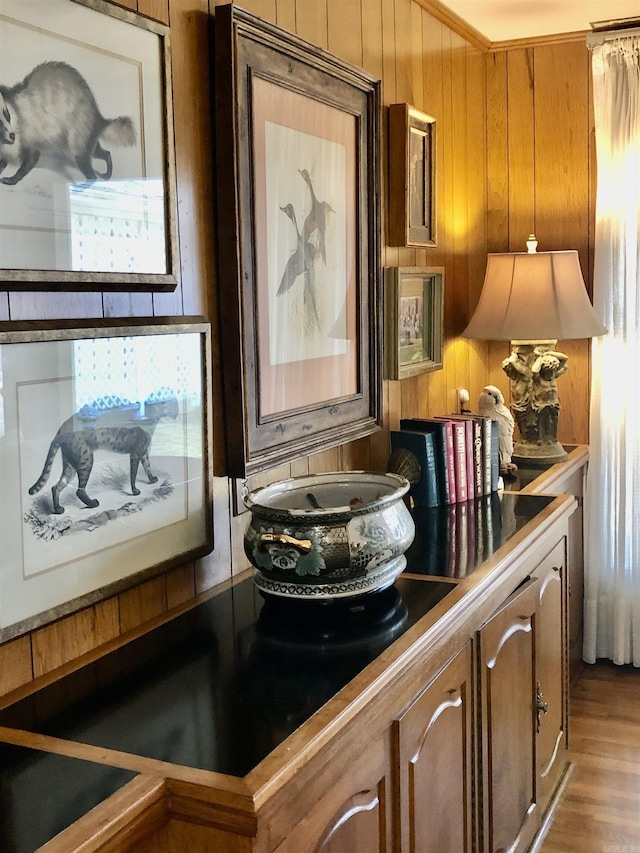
(329, 536)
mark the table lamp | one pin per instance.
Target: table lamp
(534, 299)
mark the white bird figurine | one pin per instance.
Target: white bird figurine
(491, 405)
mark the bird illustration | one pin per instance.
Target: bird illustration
(491, 405)
(300, 263)
(316, 219)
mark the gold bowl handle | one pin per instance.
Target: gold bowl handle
(305, 546)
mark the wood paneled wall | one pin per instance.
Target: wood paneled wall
(512, 135)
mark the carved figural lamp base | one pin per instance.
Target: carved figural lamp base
(534, 299)
(532, 369)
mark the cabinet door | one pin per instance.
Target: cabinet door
(551, 676)
(508, 720)
(353, 817)
(435, 750)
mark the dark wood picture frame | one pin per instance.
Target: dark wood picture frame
(138, 394)
(81, 211)
(413, 321)
(321, 388)
(412, 178)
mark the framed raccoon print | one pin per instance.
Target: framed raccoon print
(105, 473)
(87, 173)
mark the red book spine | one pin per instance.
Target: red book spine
(460, 455)
(451, 462)
(470, 451)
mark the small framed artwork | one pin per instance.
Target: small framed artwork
(105, 460)
(414, 301)
(87, 176)
(298, 132)
(412, 180)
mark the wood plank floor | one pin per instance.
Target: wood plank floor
(600, 808)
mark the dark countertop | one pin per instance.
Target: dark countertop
(220, 686)
(41, 794)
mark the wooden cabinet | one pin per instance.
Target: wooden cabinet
(450, 740)
(523, 709)
(434, 742)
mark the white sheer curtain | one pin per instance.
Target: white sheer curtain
(612, 529)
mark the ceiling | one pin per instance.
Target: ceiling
(504, 20)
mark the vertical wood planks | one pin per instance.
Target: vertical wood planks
(142, 603)
(311, 21)
(344, 30)
(563, 186)
(497, 154)
(68, 638)
(286, 14)
(562, 147)
(15, 664)
(521, 163)
(157, 9)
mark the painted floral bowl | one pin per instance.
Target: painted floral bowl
(329, 536)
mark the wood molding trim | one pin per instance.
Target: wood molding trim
(540, 41)
(132, 814)
(456, 23)
(477, 39)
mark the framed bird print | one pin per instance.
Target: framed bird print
(298, 261)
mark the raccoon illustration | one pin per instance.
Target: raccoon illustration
(52, 114)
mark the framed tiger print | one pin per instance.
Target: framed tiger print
(105, 472)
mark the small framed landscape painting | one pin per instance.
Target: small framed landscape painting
(414, 300)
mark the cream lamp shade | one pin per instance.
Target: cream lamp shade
(534, 299)
(534, 296)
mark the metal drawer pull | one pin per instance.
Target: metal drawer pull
(541, 705)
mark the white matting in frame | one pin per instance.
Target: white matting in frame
(104, 462)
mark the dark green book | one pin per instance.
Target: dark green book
(425, 492)
(439, 431)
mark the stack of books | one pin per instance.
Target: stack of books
(458, 457)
